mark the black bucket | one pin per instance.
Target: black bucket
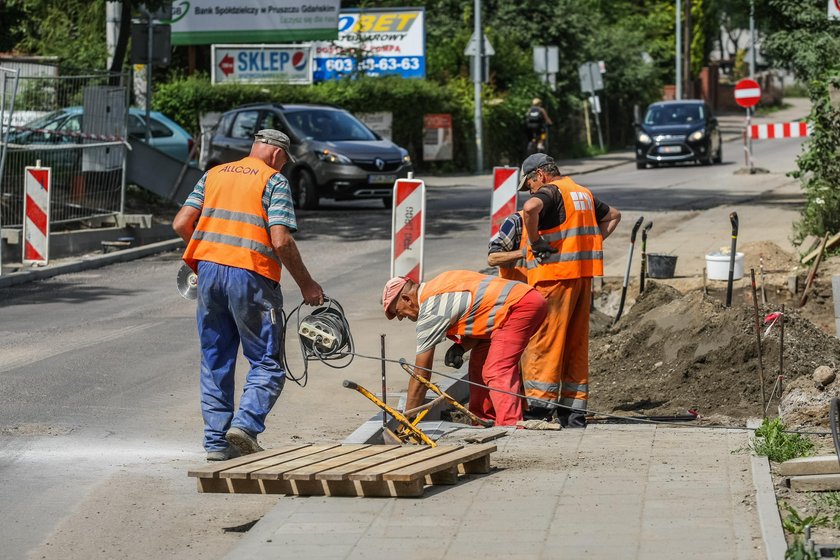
(661, 266)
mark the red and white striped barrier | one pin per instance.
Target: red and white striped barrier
(408, 229)
(36, 215)
(505, 181)
(779, 130)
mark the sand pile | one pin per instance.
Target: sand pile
(672, 352)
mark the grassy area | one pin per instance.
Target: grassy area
(772, 441)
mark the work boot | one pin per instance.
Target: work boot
(573, 420)
(244, 442)
(537, 413)
(223, 454)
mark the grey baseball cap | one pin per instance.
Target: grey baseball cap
(531, 164)
(274, 138)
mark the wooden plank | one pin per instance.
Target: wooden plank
(276, 471)
(375, 473)
(421, 469)
(244, 471)
(832, 241)
(484, 437)
(309, 472)
(396, 452)
(824, 464)
(815, 482)
(445, 476)
(212, 470)
(391, 489)
(477, 466)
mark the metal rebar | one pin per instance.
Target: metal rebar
(782, 344)
(384, 384)
(758, 341)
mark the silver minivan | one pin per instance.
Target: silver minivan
(338, 157)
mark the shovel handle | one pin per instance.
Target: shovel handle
(636, 227)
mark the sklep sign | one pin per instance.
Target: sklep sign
(262, 64)
(203, 22)
(375, 42)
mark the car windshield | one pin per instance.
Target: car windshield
(327, 125)
(46, 120)
(659, 115)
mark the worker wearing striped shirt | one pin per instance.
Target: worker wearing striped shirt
(491, 316)
(238, 224)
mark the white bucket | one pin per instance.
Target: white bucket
(717, 266)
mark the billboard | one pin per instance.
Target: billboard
(204, 22)
(262, 64)
(376, 42)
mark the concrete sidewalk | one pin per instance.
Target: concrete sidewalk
(610, 491)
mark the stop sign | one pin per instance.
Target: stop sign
(747, 92)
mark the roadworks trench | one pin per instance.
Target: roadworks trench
(676, 350)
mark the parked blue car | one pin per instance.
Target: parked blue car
(166, 135)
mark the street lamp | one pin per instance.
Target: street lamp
(678, 26)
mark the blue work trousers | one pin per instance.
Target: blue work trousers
(237, 305)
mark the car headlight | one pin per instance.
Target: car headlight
(333, 157)
(644, 138)
(406, 159)
(697, 135)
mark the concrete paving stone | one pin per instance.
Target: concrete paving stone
(320, 551)
(329, 518)
(626, 524)
(599, 552)
(521, 521)
(697, 526)
(585, 501)
(392, 531)
(593, 539)
(594, 488)
(420, 547)
(500, 543)
(335, 527)
(306, 539)
(316, 504)
(707, 508)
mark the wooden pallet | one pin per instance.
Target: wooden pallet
(812, 474)
(344, 470)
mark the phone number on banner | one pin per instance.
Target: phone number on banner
(405, 66)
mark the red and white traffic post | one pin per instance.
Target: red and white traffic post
(505, 181)
(408, 229)
(747, 95)
(36, 215)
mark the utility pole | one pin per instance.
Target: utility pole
(478, 60)
(688, 85)
(113, 11)
(678, 70)
(752, 38)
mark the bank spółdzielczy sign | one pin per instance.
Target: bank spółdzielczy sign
(204, 22)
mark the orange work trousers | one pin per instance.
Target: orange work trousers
(555, 365)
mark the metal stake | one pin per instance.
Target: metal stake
(758, 341)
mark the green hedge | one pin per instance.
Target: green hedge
(185, 99)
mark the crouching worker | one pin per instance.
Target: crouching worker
(492, 317)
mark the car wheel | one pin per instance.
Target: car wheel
(641, 165)
(719, 154)
(388, 202)
(305, 191)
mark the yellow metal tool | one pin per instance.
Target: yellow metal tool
(442, 394)
(409, 429)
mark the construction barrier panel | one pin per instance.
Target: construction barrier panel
(36, 215)
(779, 130)
(505, 181)
(408, 229)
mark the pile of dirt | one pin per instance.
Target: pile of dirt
(774, 257)
(673, 352)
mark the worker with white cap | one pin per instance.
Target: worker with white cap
(238, 224)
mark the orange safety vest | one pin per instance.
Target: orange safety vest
(492, 298)
(578, 239)
(233, 227)
(517, 270)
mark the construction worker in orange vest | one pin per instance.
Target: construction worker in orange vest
(565, 226)
(492, 317)
(238, 224)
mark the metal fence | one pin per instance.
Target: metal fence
(76, 126)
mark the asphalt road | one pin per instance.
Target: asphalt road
(98, 369)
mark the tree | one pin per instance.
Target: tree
(800, 37)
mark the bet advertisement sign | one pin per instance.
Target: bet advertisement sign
(262, 64)
(204, 22)
(391, 42)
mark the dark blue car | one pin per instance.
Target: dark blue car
(676, 131)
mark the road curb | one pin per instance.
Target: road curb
(768, 510)
(98, 261)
